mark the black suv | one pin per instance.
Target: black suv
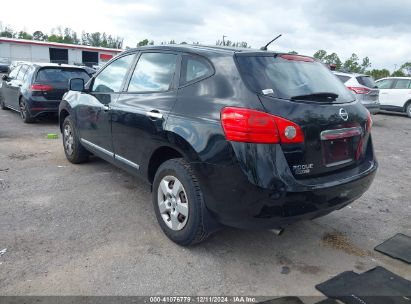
(37, 88)
(244, 138)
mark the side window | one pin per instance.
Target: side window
(343, 78)
(111, 78)
(14, 72)
(402, 84)
(154, 73)
(194, 68)
(29, 73)
(384, 84)
(22, 72)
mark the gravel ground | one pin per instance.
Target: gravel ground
(90, 229)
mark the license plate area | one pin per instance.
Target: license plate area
(338, 145)
(337, 151)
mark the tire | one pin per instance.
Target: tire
(24, 112)
(183, 230)
(2, 104)
(409, 110)
(73, 149)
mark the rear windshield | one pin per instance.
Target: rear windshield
(366, 81)
(284, 78)
(60, 74)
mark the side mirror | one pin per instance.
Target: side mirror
(5, 77)
(77, 84)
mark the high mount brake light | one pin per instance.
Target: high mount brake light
(296, 58)
(359, 90)
(246, 125)
(41, 87)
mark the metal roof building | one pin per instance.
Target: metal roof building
(41, 51)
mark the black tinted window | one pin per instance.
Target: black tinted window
(29, 73)
(286, 78)
(366, 81)
(60, 74)
(343, 78)
(154, 73)
(194, 68)
(111, 78)
(384, 84)
(402, 84)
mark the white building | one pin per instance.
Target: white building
(41, 51)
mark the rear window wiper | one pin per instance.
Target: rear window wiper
(328, 96)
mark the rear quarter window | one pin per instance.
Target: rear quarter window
(343, 78)
(60, 74)
(194, 68)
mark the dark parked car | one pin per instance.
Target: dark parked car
(249, 139)
(37, 88)
(4, 67)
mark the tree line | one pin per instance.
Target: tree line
(353, 64)
(66, 35)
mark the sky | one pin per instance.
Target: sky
(377, 29)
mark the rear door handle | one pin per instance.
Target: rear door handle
(105, 108)
(154, 114)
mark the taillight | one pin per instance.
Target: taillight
(41, 87)
(359, 90)
(246, 125)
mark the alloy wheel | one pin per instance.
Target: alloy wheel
(22, 105)
(68, 139)
(172, 202)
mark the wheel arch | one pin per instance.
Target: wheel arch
(62, 115)
(407, 103)
(64, 111)
(175, 147)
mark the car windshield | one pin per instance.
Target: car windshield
(366, 81)
(289, 76)
(60, 74)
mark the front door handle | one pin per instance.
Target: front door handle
(105, 108)
(154, 114)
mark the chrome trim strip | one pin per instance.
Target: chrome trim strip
(127, 162)
(339, 162)
(340, 133)
(94, 146)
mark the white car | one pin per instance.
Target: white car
(395, 94)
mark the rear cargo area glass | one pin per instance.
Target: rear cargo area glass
(283, 78)
(366, 81)
(60, 75)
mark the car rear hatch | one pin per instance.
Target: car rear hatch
(52, 82)
(301, 90)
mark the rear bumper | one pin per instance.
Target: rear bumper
(39, 107)
(372, 107)
(234, 199)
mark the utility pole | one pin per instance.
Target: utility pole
(224, 40)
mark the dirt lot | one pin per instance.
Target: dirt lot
(90, 229)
